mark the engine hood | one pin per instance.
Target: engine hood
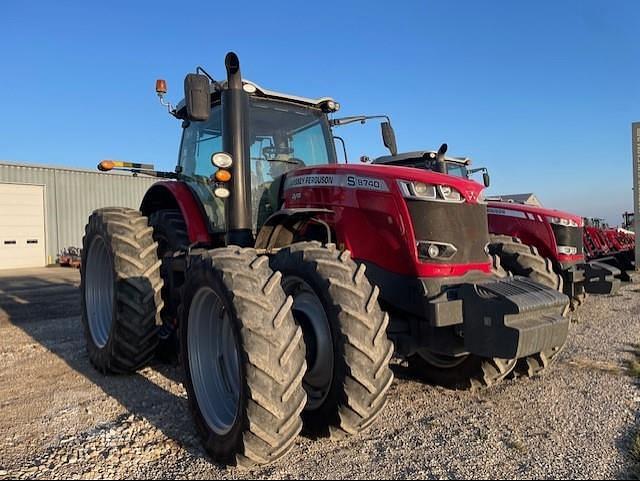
(542, 212)
(378, 177)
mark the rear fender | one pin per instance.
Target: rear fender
(177, 195)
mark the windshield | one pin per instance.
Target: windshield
(282, 137)
(457, 170)
(453, 168)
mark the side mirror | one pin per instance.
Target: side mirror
(486, 179)
(389, 138)
(197, 97)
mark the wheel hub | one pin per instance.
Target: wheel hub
(214, 360)
(309, 313)
(99, 291)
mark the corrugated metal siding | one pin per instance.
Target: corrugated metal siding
(71, 195)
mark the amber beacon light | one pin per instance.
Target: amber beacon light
(161, 87)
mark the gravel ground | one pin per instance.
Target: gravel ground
(61, 419)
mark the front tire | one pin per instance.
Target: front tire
(523, 260)
(243, 357)
(464, 372)
(120, 285)
(348, 351)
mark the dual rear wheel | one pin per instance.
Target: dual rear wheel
(247, 331)
(268, 349)
(347, 348)
(121, 290)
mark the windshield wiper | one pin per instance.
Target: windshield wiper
(264, 159)
(294, 162)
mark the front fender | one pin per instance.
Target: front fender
(280, 228)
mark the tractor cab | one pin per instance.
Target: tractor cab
(436, 161)
(237, 152)
(283, 133)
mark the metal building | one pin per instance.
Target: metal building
(44, 209)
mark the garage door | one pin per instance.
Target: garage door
(21, 226)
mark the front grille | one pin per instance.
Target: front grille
(568, 236)
(462, 225)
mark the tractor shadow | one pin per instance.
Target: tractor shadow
(47, 308)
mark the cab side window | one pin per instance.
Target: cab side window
(200, 140)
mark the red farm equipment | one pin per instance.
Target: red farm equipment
(286, 276)
(543, 244)
(614, 247)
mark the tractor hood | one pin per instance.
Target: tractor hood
(538, 213)
(383, 178)
(394, 217)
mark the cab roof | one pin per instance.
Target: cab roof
(217, 88)
(427, 154)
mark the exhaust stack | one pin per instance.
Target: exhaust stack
(235, 106)
(441, 165)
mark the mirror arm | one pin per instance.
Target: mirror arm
(170, 108)
(217, 84)
(356, 118)
(344, 147)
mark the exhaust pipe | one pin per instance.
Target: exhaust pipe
(441, 165)
(235, 141)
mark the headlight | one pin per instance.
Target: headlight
(222, 160)
(562, 221)
(420, 190)
(436, 250)
(423, 190)
(449, 193)
(567, 250)
(221, 192)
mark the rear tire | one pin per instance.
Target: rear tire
(348, 351)
(524, 260)
(245, 390)
(170, 232)
(120, 285)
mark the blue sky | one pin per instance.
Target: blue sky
(543, 93)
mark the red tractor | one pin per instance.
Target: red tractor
(555, 239)
(273, 264)
(542, 244)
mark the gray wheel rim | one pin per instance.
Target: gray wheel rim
(214, 360)
(441, 361)
(99, 291)
(309, 313)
